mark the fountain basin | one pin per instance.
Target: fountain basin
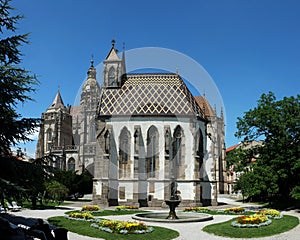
(183, 217)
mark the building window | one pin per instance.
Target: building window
(107, 142)
(199, 145)
(71, 164)
(167, 141)
(122, 193)
(177, 146)
(136, 141)
(152, 151)
(124, 148)
(111, 77)
(49, 135)
(92, 131)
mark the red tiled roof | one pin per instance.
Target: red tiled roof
(232, 148)
(204, 105)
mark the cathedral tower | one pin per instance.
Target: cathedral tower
(55, 131)
(88, 105)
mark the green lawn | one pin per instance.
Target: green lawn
(83, 228)
(276, 227)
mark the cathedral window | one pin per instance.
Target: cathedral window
(106, 142)
(49, 135)
(124, 146)
(199, 148)
(152, 151)
(177, 146)
(71, 164)
(167, 141)
(111, 77)
(92, 131)
(136, 141)
(199, 145)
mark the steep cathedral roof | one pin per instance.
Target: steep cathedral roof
(57, 103)
(205, 106)
(160, 94)
(113, 53)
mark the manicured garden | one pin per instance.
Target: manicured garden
(84, 228)
(248, 224)
(87, 222)
(260, 224)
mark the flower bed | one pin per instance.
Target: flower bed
(120, 208)
(271, 213)
(196, 209)
(255, 220)
(91, 208)
(234, 210)
(86, 216)
(122, 227)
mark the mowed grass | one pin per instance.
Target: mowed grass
(83, 228)
(277, 226)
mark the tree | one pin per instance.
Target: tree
(16, 83)
(75, 183)
(277, 123)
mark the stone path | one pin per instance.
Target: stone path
(188, 231)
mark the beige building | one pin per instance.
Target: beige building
(143, 136)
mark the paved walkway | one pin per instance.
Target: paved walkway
(188, 231)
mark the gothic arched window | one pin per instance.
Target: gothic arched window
(167, 141)
(111, 77)
(136, 141)
(71, 164)
(177, 146)
(92, 131)
(49, 135)
(107, 142)
(124, 148)
(199, 144)
(152, 151)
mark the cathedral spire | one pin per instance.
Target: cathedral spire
(57, 102)
(113, 43)
(92, 71)
(91, 77)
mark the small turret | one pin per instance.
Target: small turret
(114, 68)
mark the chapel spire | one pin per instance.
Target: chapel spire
(114, 67)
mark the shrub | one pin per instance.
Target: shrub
(56, 191)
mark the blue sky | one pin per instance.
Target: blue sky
(247, 47)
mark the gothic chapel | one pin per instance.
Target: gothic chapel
(137, 134)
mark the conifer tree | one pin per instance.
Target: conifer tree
(16, 83)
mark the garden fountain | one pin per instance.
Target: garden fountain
(172, 216)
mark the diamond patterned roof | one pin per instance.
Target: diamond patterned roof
(149, 94)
